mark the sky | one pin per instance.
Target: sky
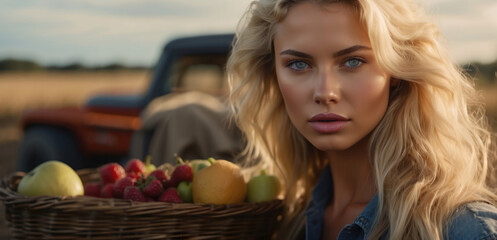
(132, 32)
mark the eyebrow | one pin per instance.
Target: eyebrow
(337, 54)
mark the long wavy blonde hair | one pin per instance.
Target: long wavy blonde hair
(431, 151)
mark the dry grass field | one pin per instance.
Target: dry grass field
(22, 91)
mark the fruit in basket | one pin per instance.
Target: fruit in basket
(182, 172)
(111, 172)
(159, 174)
(134, 176)
(185, 191)
(52, 178)
(199, 164)
(149, 167)
(135, 165)
(166, 167)
(92, 189)
(134, 193)
(220, 183)
(171, 195)
(121, 184)
(152, 188)
(263, 187)
(107, 191)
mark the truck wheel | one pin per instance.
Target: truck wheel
(41, 144)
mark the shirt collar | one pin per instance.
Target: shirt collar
(323, 191)
(366, 219)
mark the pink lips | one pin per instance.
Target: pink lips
(328, 123)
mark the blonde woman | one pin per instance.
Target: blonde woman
(373, 131)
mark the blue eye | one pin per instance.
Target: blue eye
(298, 65)
(353, 63)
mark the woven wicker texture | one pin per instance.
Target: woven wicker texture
(99, 218)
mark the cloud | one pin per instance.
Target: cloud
(458, 7)
(132, 8)
(120, 18)
(115, 28)
(470, 28)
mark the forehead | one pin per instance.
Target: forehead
(312, 21)
(307, 9)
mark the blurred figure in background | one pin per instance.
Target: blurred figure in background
(192, 124)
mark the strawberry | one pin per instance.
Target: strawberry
(183, 172)
(134, 175)
(134, 193)
(135, 165)
(170, 184)
(121, 184)
(159, 175)
(111, 172)
(107, 191)
(153, 188)
(92, 189)
(171, 196)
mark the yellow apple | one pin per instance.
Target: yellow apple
(149, 167)
(52, 178)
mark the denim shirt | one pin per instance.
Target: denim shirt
(472, 221)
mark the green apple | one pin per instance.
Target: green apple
(52, 178)
(263, 188)
(185, 191)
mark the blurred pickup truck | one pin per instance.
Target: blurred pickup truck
(101, 130)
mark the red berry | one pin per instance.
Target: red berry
(107, 191)
(153, 188)
(121, 184)
(92, 189)
(134, 193)
(159, 175)
(111, 172)
(134, 175)
(171, 196)
(135, 165)
(181, 173)
(169, 184)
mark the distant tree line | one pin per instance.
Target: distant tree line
(10, 64)
(484, 73)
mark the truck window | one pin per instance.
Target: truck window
(203, 73)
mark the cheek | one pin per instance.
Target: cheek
(372, 97)
(293, 93)
(291, 96)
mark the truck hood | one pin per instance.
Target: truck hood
(116, 103)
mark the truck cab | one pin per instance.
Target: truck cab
(100, 131)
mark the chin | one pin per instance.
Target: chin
(331, 145)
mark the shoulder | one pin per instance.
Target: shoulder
(473, 221)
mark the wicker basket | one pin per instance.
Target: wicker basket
(98, 218)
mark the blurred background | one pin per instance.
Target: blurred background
(59, 53)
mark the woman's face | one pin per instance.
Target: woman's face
(334, 91)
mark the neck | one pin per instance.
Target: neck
(352, 174)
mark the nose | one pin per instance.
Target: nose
(327, 89)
